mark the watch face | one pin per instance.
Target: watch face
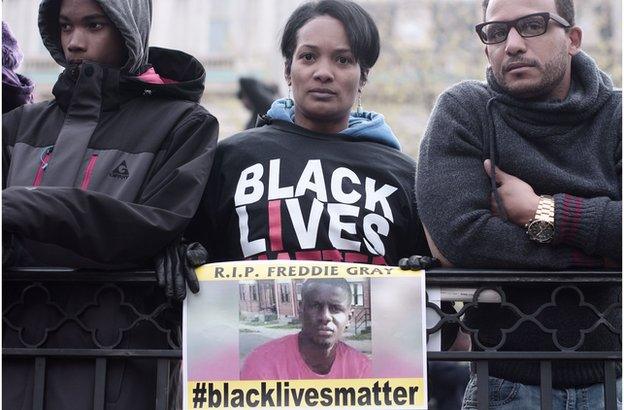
(541, 231)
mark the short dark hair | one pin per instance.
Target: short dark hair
(565, 8)
(334, 282)
(360, 27)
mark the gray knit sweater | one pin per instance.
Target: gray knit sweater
(571, 149)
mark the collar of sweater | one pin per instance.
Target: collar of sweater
(368, 126)
(589, 90)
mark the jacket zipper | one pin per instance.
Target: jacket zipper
(44, 159)
(88, 172)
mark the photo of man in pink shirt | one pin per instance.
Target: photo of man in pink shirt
(316, 352)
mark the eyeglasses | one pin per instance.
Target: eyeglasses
(533, 25)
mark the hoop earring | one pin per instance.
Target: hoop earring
(289, 103)
(359, 110)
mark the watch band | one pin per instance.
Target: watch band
(545, 209)
(542, 227)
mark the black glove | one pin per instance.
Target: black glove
(417, 262)
(175, 267)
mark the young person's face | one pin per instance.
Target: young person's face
(324, 75)
(531, 67)
(325, 314)
(88, 34)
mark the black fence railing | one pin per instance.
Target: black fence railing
(99, 321)
(103, 333)
(497, 307)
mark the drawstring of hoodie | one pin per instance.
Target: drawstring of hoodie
(493, 152)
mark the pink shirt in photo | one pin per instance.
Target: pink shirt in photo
(280, 360)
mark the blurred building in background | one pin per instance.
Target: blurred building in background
(427, 45)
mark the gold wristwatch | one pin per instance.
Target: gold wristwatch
(542, 227)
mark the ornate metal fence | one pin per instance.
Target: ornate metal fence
(53, 317)
(83, 325)
(514, 300)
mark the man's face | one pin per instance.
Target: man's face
(535, 67)
(325, 314)
(88, 34)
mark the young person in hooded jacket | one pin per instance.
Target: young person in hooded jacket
(316, 181)
(105, 175)
(120, 156)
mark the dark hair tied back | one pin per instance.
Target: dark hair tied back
(359, 25)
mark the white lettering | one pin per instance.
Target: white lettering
(336, 186)
(249, 248)
(306, 235)
(372, 240)
(249, 178)
(312, 171)
(381, 195)
(336, 226)
(275, 191)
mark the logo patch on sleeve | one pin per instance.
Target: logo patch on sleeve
(120, 171)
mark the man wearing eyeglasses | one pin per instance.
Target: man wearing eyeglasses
(527, 174)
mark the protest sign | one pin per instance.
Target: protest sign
(305, 334)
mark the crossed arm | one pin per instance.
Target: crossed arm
(463, 223)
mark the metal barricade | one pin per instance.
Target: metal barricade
(39, 305)
(52, 315)
(490, 289)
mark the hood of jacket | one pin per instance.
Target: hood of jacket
(185, 71)
(368, 126)
(11, 59)
(131, 17)
(11, 54)
(16, 89)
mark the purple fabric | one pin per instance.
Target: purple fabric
(11, 53)
(16, 89)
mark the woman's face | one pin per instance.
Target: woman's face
(324, 76)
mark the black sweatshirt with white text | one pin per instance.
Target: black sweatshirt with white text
(283, 192)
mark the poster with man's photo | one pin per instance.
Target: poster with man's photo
(305, 334)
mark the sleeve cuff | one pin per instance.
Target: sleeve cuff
(576, 222)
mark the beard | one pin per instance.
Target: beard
(552, 74)
(323, 343)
